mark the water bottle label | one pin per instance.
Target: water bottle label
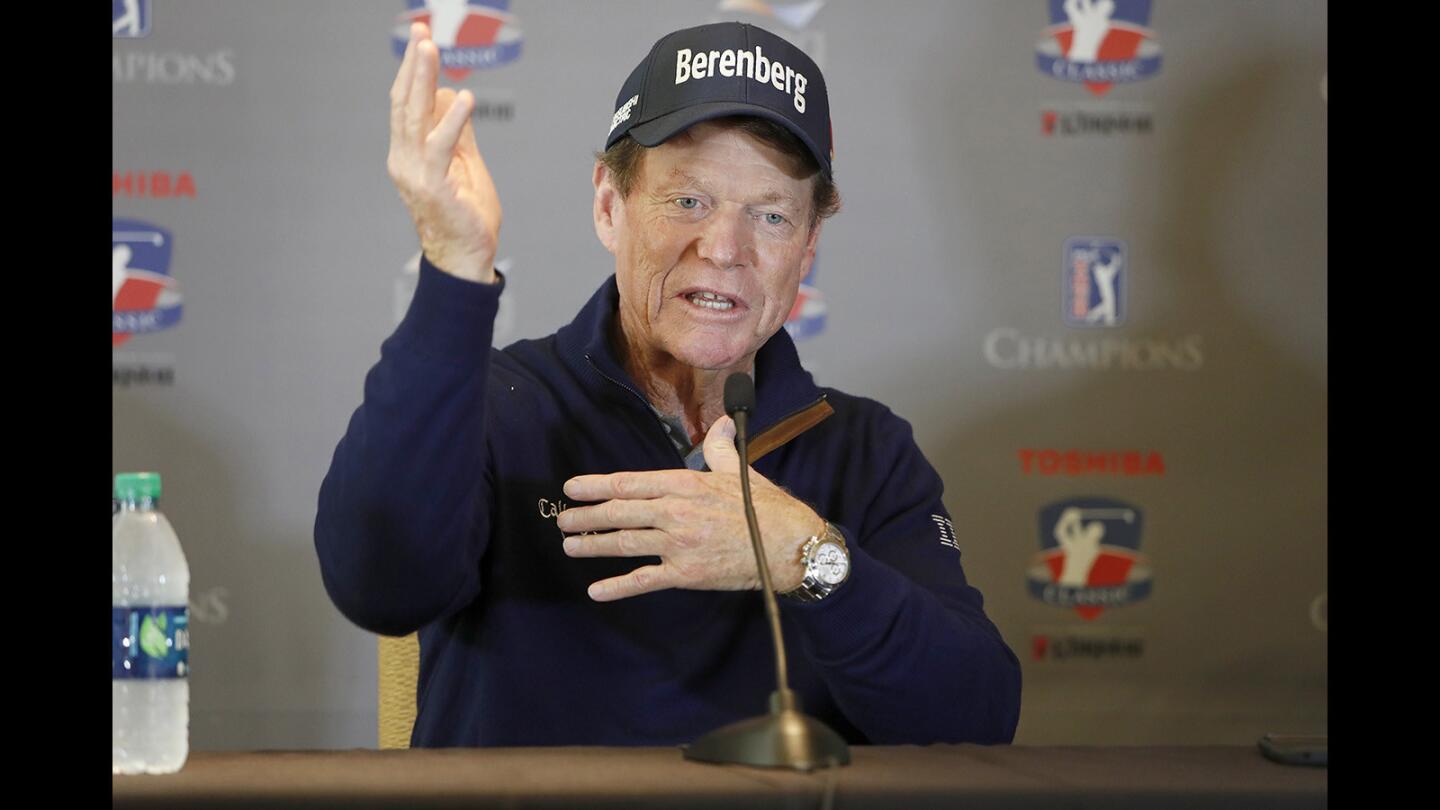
(149, 642)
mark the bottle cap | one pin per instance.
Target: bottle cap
(137, 485)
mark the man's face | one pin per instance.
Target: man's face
(710, 246)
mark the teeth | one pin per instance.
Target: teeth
(710, 300)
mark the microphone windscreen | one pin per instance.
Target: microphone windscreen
(739, 393)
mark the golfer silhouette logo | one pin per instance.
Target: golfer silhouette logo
(1090, 556)
(1081, 543)
(1094, 282)
(1098, 43)
(1104, 311)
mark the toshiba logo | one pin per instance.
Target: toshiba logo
(1091, 462)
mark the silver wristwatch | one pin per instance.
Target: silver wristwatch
(827, 565)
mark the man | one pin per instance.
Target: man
(561, 520)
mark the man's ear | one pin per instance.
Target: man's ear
(609, 207)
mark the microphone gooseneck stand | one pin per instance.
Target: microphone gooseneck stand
(786, 737)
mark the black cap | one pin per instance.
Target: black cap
(727, 68)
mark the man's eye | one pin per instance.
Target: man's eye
(774, 219)
(688, 203)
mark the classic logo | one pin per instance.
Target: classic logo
(143, 296)
(1089, 556)
(807, 316)
(1093, 272)
(1099, 43)
(130, 19)
(471, 35)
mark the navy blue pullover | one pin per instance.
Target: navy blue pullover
(438, 515)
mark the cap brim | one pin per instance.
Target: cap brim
(656, 132)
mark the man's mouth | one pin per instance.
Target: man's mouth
(710, 300)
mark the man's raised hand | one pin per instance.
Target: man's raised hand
(437, 168)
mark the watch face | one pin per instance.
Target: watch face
(831, 564)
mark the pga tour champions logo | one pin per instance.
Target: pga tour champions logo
(1089, 556)
(143, 296)
(1099, 43)
(471, 35)
(1094, 282)
(130, 19)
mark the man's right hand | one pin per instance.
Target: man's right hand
(437, 168)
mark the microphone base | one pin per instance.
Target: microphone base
(784, 738)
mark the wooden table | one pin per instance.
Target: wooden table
(959, 776)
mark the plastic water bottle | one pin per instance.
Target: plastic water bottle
(150, 634)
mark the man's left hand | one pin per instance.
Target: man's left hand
(693, 521)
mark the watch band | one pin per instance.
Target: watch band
(812, 588)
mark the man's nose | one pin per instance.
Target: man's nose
(728, 240)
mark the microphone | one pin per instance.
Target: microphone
(784, 738)
(739, 394)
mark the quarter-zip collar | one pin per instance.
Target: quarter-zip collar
(782, 385)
